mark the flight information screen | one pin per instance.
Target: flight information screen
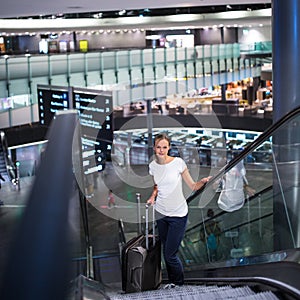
(95, 115)
(95, 110)
(51, 100)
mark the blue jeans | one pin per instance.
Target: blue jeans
(171, 231)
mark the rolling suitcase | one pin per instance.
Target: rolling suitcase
(141, 261)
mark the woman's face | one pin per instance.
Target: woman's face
(161, 148)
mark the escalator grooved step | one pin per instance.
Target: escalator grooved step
(194, 292)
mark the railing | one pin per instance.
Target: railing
(131, 74)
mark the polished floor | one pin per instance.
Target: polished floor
(103, 221)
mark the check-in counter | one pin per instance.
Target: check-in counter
(231, 106)
(155, 110)
(137, 110)
(268, 112)
(118, 112)
(172, 110)
(250, 110)
(197, 104)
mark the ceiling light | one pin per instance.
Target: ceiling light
(98, 15)
(122, 12)
(153, 37)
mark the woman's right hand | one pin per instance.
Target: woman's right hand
(151, 201)
(152, 198)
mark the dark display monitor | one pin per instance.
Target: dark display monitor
(95, 114)
(50, 100)
(95, 110)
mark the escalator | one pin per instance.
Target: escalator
(248, 248)
(7, 168)
(249, 259)
(249, 240)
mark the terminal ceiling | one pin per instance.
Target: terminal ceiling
(18, 8)
(44, 14)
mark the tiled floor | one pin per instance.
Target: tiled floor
(103, 222)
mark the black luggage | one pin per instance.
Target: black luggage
(141, 262)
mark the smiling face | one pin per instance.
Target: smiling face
(161, 148)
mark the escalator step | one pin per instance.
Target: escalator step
(194, 292)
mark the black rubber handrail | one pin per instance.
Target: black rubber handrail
(252, 146)
(38, 261)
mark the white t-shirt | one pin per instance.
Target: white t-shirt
(170, 200)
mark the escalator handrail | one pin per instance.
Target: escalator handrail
(248, 149)
(43, 233)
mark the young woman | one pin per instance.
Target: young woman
(170, 204)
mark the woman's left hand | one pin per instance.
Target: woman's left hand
(206, 179)
(202, 182)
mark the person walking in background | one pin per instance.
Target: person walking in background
(171, 209)
(210, 235)
(111, 199)
(1, 178)
(235, 188)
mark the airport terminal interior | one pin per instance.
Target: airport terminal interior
(80, 107)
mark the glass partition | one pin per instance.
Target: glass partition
(180, 70)
(248, 207)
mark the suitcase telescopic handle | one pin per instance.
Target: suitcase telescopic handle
(147, 226)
